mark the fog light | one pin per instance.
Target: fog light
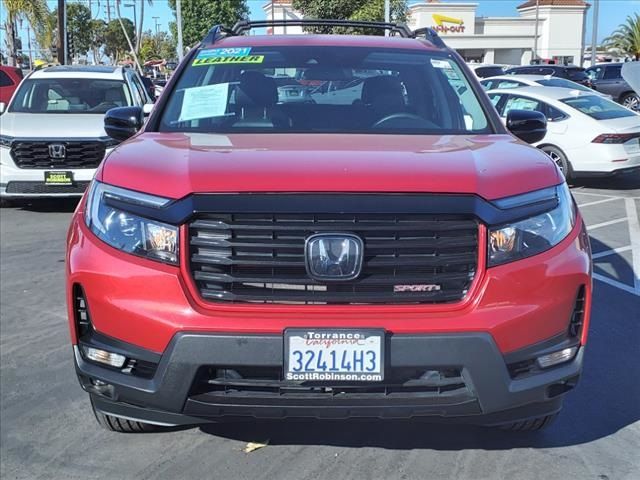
(102, 356)
(561, 356)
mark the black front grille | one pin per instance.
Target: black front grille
(37, 188)
(78, 154)
(259, 258)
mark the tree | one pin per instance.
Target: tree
(157, 47)
(36, 12)
(115, 41)
(370, 10)
(198, 16)
(626, 38)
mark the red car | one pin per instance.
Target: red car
(388, 249)
(10, 78)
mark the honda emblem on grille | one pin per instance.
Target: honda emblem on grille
(334, 256)
(57, 150)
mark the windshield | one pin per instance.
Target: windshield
(598, 107)
(323, 90)
(70, 95)
(563, 83)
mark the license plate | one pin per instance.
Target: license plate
(337, 355)
(58, 178)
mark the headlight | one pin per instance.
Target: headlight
(5, 141)
(533, 235)
(129, 232)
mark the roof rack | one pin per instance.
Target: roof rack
(240, 28)
(431, 35)
(216, 33)
(246, 25)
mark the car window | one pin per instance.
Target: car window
(338, 90)
(554, 114)
(69, 95)
(599, 107)
(516, 102)
(495, 99)
(612, 73)
(576, 74)
(595, 73)
(510, 84)
(563, 83)
(484, 72)
(487, 84)
(5, 80)
(142, 93)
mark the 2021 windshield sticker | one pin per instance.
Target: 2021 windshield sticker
(198, 62)
(224, 52)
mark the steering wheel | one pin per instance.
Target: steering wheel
(398, 116)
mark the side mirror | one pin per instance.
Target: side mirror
(529, 126)
(123, 122)
(146, 109)
(3, 107)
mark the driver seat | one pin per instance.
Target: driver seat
(383, 96)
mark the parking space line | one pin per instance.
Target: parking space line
(615, 283)
(598, 202)
(606, 253)
(606, 224)
(634, 235)
(574, 191)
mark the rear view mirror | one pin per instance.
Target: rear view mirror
(123, 122)
(529, 126)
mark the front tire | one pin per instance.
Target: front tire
(559, 158)
(531, 425)
(121, 425)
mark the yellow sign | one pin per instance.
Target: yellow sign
(225, 60)
(445, 24)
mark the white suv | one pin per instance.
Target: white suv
(52, 137)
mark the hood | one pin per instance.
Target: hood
(52, 125)
(175, 164)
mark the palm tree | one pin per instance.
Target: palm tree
(36, 12)
(626, 38)
(140, 24)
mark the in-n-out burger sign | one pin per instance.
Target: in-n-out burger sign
(444, 24)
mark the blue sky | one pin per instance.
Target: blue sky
(612, 12)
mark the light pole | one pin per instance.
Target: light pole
(535, 37)
(157, 24)
(135, 20)
(179, 27)
(594, 33)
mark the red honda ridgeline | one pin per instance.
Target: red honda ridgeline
(326, 226)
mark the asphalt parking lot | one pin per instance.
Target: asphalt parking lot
(48, 431)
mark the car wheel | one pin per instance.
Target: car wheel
(559, 158)
(121, 425)
(531, 425)
(631, 101)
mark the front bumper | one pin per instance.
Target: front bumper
(174, 395)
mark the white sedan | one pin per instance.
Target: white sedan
(587, 134)
(516, 81)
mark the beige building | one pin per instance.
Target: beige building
(504, 40)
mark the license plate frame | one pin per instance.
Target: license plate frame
(58, 178)
(339, 340)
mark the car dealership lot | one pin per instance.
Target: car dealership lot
(47, 430)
